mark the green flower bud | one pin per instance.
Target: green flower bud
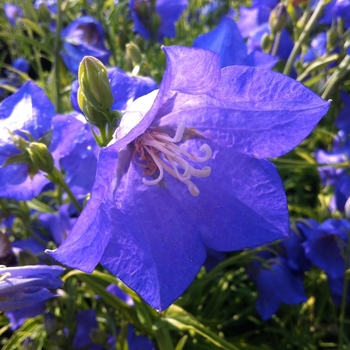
(278, 18)
(133, 52)
(93, 79)
(155, 23)
(266, 42)
(332, 38)
(41, 156)
(93, 116)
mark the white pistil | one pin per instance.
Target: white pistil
(160, 152)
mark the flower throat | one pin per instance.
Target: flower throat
(159, 152)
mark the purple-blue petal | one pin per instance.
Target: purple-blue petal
(227, 41)
(276, 285)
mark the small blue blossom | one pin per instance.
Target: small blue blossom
(86, 325)
(326, 245)
(277, 284)
(158, 22)
(83, 37)
(336, 9)
(187, 158)
(13, 12)
(51, 5)
(25, 286)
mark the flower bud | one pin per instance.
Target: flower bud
(266, 42)
(133, 52)
(332, 38)
(93, 80)
(93, 116)
(40, 156)
(155, 23)
(278, 18)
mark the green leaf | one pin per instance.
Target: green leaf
(46, 139)
(181, 343)
(94, 282)
(29, 24)
(183, 321)
(40, 206)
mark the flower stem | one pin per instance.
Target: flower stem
(293, 163)
(341, 71)
(57, 178)
(57, 94)
(276, 43)
(304, 36)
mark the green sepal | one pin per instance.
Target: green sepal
(18, 141)
(32, 170)
(16, 159)
(46, 139)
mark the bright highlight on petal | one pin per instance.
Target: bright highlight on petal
(158, 151)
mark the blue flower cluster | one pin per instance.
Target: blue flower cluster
(133, 163)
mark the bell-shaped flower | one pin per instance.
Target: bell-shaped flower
(156, 19)
(277, 284)
(25, 286)
(83, 37)
(326, 245)
(186, 169)
(31, 111)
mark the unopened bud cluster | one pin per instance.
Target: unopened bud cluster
(95, 97)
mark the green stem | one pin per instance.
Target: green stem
(304, 36)
(57, 93)
(341, 71)
(276, 44)
(344, 297)
(293, 163)
(57, 178)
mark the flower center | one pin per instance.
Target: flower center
(159, 152)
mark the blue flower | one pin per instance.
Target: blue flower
(158, 22)
(277, 284)
(326, 244)
(228, 42)
(252, 18)
(86, 325)
(83, 37)
(51, 5)
(18, 317)
(336, 9)
(25, 286)
(29, 110)
(187, 159)
(12, 12)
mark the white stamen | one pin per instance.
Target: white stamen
(159, 151)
